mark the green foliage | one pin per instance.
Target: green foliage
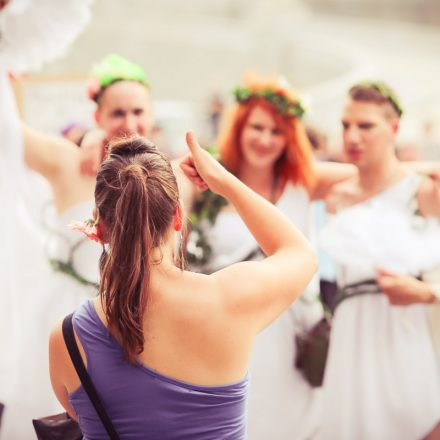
(277, 98)
(205, 209)
(386, 92)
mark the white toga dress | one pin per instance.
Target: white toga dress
(382, 379)
(31, 32)
(46, 298)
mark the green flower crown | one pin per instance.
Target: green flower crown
(111, 69)
(114, 67)
(278, 98)
(386, 92)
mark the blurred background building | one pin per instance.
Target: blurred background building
(197, 50)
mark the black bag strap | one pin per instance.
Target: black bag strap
(366, 287)
(86, 381)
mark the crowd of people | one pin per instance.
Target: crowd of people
(195, 278)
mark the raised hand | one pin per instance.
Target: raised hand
(92, 152)
(202, 169)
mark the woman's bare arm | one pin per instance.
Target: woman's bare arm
(329, 174)
(259, 291)
(48, 155)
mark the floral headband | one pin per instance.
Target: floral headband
(276, 93)
(92, 228)
(386, 92)
(111, 69)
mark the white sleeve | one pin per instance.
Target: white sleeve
(35, 31)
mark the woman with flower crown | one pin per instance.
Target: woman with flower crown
(265, 145)
(120, 89)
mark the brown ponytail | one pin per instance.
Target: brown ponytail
(136, 196)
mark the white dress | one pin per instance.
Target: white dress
(382, 380)
(281, 403)
(46, 298)
(10, 168)
(31, 32)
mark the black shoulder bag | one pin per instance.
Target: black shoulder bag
(312, 345)
(61, 426)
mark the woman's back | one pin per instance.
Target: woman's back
(143, 403)
(190, 331)
(187, 328)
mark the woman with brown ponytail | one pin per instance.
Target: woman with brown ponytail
(168, 349)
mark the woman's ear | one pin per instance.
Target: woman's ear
(97, 117)
(395, 126)
(178, 218)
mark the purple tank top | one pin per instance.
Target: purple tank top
(144, 404)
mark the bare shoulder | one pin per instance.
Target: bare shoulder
(56, 340)
(57, 356)
(186, 296)
(222, 294)
(342, 195)
(428, 198)
(59, 368)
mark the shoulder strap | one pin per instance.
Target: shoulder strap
(86, 381)
(366, 287)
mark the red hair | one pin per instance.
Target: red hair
(295, 164)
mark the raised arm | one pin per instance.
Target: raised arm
(329, 174)
(256, 291)
(47, 155)
(430, 168)
(58, 160)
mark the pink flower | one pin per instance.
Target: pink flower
(93, 88)
(87, 227)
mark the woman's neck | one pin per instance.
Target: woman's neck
(261, 180)
(163, 256)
